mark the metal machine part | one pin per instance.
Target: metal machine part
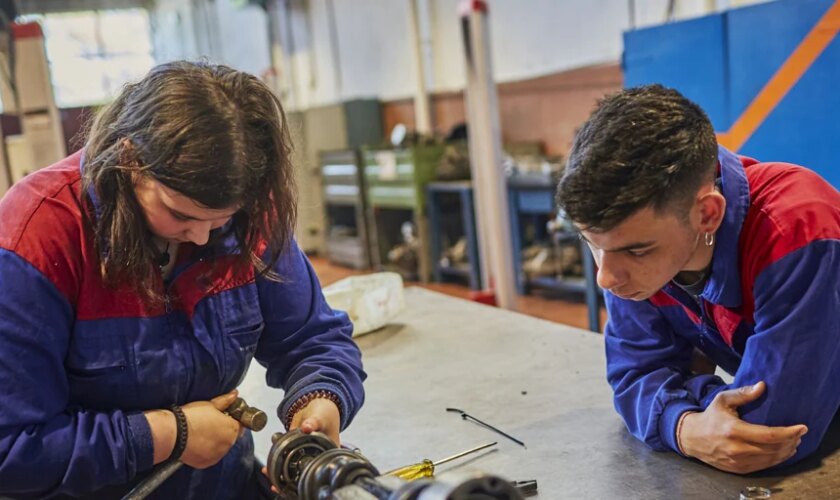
(334, 469)
(291, 453)
(311, 467)
(528, 487)
(466, 486)
(756, 492)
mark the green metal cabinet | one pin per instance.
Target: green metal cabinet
(395, 182)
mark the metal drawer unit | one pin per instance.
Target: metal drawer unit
(345, 209)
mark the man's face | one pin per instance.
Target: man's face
(639, 256)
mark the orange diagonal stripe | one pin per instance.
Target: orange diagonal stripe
(785, 78)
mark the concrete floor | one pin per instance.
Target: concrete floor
(551, 309)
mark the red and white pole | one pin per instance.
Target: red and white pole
(485, 143)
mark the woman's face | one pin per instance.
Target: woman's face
(176, 218)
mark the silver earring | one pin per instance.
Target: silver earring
(709, 239)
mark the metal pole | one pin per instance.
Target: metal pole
(5, 171)
(486, 155)
(146, 487)
(422, 110)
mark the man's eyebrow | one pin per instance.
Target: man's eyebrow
(638, 245)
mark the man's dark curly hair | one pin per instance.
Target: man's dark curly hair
(642, 147)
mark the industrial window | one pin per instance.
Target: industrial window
(92, 54)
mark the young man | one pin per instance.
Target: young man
(702, 250)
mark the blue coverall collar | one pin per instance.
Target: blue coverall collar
(724, 285)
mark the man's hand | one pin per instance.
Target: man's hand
(320, 415)
(718, 436)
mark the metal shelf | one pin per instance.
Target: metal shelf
(533, 196)
(471, 271)
(565, 284)
(462, 271)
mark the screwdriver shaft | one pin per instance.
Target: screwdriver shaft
(464, 453)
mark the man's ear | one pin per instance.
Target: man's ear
(712, 207)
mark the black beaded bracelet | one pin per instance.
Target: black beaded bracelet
(181, 437)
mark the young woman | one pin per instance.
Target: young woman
(138, 279)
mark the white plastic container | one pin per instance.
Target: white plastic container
(370, 300)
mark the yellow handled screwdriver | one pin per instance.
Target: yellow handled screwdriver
(426, 468)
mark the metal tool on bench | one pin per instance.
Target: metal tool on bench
(310, 466)
(426, 468)
(527, 488)
(252, 418)
(467, 416)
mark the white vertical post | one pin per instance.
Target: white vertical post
(485, 138)
(5, 171)
(419, 37)
(42, 140)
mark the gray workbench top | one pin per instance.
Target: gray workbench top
(541, 382)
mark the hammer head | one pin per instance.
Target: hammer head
(252, 418)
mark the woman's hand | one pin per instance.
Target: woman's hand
(320, 415)
(211, 432)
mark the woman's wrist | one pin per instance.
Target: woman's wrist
(164, 431)
(181, 432)
(307, 398)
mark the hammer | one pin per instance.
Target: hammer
(252, 418)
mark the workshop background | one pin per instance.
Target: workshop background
(392, 162)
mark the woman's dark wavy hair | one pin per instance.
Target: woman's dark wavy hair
(209, 132)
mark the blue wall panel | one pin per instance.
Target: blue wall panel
(804, 127)
(687, 56)
(760, 39)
